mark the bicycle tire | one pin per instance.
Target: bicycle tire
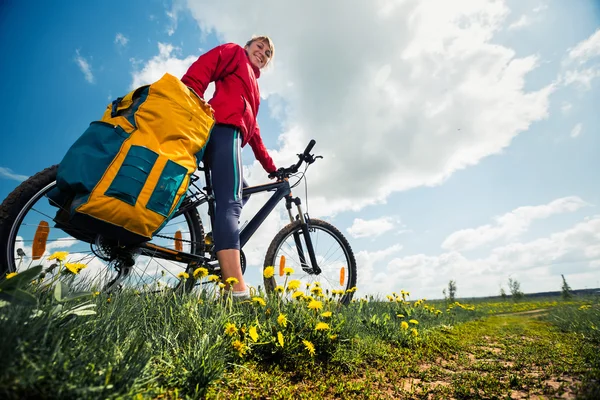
(14, 208)
(316, 224)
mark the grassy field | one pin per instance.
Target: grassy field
(61, 343)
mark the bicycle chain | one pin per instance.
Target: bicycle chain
(172, 238)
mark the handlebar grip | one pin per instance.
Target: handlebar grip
(311, 144)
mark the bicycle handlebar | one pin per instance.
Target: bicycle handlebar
(283, 173)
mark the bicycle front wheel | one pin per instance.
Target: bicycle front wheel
(29, 237)
(333, 255)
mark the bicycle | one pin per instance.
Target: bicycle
(26, 238)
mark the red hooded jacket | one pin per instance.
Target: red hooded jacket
(237, 98)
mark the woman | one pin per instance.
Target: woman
(235, 71)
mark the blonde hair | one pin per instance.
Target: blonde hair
(265, 39)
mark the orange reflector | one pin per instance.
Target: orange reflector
(342, 276)
(178, 242)
(281, 265)
(39, 240)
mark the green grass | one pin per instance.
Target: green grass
(165, 345)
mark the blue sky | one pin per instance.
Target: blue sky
(459, 143)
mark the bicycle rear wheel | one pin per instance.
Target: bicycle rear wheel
(333, 254)
(28, 236)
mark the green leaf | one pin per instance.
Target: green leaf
(60, 290)
(21, 279)
(83, 312)
(77, 295)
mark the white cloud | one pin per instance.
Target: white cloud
(582, 53)
(85, 67)
(537, 264)
(576, 131)
(586, 49)
(121, 40)
(434, 96)
(509, 225)
(520, 23)
(371, 228)
(165, 61)
(9, 174)
(566, 107)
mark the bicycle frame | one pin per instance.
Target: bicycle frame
(282, 190)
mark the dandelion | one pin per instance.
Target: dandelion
(282, 320)
(288, 271)
(95, 294)
(60, 256)
(183, 275)
(213, 278)
(280, 338)
(279, 289)
(317, 291)
(322, 326)
(400, 315)
(297, 295)
(221, 285)
(11, 275)
(230, 329)
(240, 347)
(332, 337)
(309, 347)
(232, 281)
(74, 268)
(315, 305)
(269, 272)
(200, 273)
(414, 332)
(293, 285)
(259, 300)
(414, 321)
(404, 325)
(253, 333)
(108, 300)
(326, 314)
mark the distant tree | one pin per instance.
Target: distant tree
(451, 295)
(503, 293)
(515, 289)
(566, 289)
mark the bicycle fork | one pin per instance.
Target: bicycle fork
(305, 229)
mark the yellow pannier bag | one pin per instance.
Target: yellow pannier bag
(128, 173)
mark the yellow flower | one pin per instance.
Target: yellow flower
(293, 285)
(317, 291)
(404, 325)
(288, 271)
(315, 305)
(332, 337)
(297, 295)
(259, 300)
(230, 329)
(322, 326)
(74, 268)
(326, 314)
(282, 320)
(213, 278)
(310, 347)
(11, 275)
(269, 272)
(400, 315)
(221, 285)
(253, 333)
(59, 256)
(414, 332)
(280, 338)
(96, 294)
(414, 321)
(240, 347)
(232, 281)
(279, 289)
(183, 275)
(200, 272)
(108, 300)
